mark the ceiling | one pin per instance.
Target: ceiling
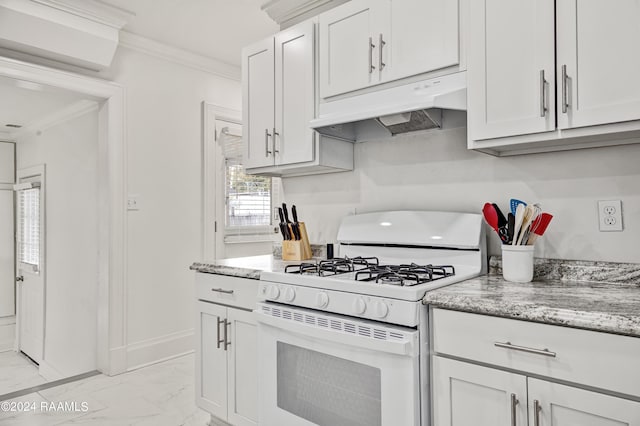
(24, 102)
(218, 29)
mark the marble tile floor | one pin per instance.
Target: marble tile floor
(17, 372)
(158, 395)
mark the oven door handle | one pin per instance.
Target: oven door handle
(404, 347)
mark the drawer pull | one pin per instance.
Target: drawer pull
(508, 345)
(222, 290)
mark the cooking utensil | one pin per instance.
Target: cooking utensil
(492, 217)
(511, 223)
(296, 224)
(283, 226)
(526, 222)
(518, 223)
(502, 221)
(288, 222)
(537, 210)
(545, 218)
(514, 205)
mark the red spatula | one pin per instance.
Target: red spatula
(538, 227)
(491, 216)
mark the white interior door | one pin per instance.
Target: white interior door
(30, 266)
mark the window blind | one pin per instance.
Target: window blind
(28, 235)
(247, 197)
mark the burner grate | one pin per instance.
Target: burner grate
(335, 266)
(405, 275)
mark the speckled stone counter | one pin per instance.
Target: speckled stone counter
(244, 267)
(591, 295)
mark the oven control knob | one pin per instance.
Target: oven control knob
(289, 294)
(273, 292)
(322, 299)
(380, 309)
(359, 306)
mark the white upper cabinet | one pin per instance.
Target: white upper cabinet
(511, 84)
(258, 99)
(424, 36)
(279, 97)
(348, 50)
(548, 75)
(598, 63)
(294, 102)
(368, 42)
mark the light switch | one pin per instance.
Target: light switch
(133, 202)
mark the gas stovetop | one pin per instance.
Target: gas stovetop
(369, 269)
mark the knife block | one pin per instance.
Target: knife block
(297, 249)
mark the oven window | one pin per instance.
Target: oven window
(327, 390)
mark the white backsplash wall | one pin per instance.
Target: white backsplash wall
(435, 171)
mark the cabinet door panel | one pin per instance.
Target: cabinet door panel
(566, 406)
(510, 44)
(295, 101)
(344, 47)
(598, 43)
(211, 361)
(424, 37)
(243, 368)
(470, 395)
(258, 103)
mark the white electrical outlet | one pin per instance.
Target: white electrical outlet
(133, 202)
(610, 215)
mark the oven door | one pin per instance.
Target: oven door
(324, 369)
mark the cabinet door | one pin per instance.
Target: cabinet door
(243, 368)
(470, 395)
(295, 90)
(258, 98)
(566, 406)
(598, 45)
(423, 37)
(211, 360)
(510, 70)
(348, 48)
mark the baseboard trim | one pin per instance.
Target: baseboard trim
(152, 351)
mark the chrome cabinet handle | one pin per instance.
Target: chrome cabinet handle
(514, 402)
(221, 290)
(227, 343)
(508, 345)
(381, 44)
(266, 142)
(536, 412)
(220, 340)
(371, 47)
(274, 140)
(543, 95)
(565, 90)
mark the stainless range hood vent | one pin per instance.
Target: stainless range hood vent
(412, 107)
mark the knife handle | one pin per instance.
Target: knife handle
(294, 212)
(286, 213)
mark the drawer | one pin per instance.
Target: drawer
(232, 291)
(591, 358)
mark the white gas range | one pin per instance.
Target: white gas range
(323, 321)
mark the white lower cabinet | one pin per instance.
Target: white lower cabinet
(226, 352)
(502, 391)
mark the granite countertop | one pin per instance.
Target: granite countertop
(242, 267)
(590, 295)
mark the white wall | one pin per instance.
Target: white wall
(69, 152)
(7, 250)
(164, 157)
(435, 171)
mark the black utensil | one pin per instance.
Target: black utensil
(283, 225)
(511, 224)
(287, 223)
(296, 224)
(502, 221)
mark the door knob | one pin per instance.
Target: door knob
(20, 278)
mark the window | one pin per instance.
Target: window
(248, 199)
(28, 221)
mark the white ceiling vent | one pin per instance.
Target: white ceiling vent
(48, 30)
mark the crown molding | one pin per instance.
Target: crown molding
(284, 11)
(67, 113)
(94, 10)
(179, 56)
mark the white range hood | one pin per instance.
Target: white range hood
(406, 108)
